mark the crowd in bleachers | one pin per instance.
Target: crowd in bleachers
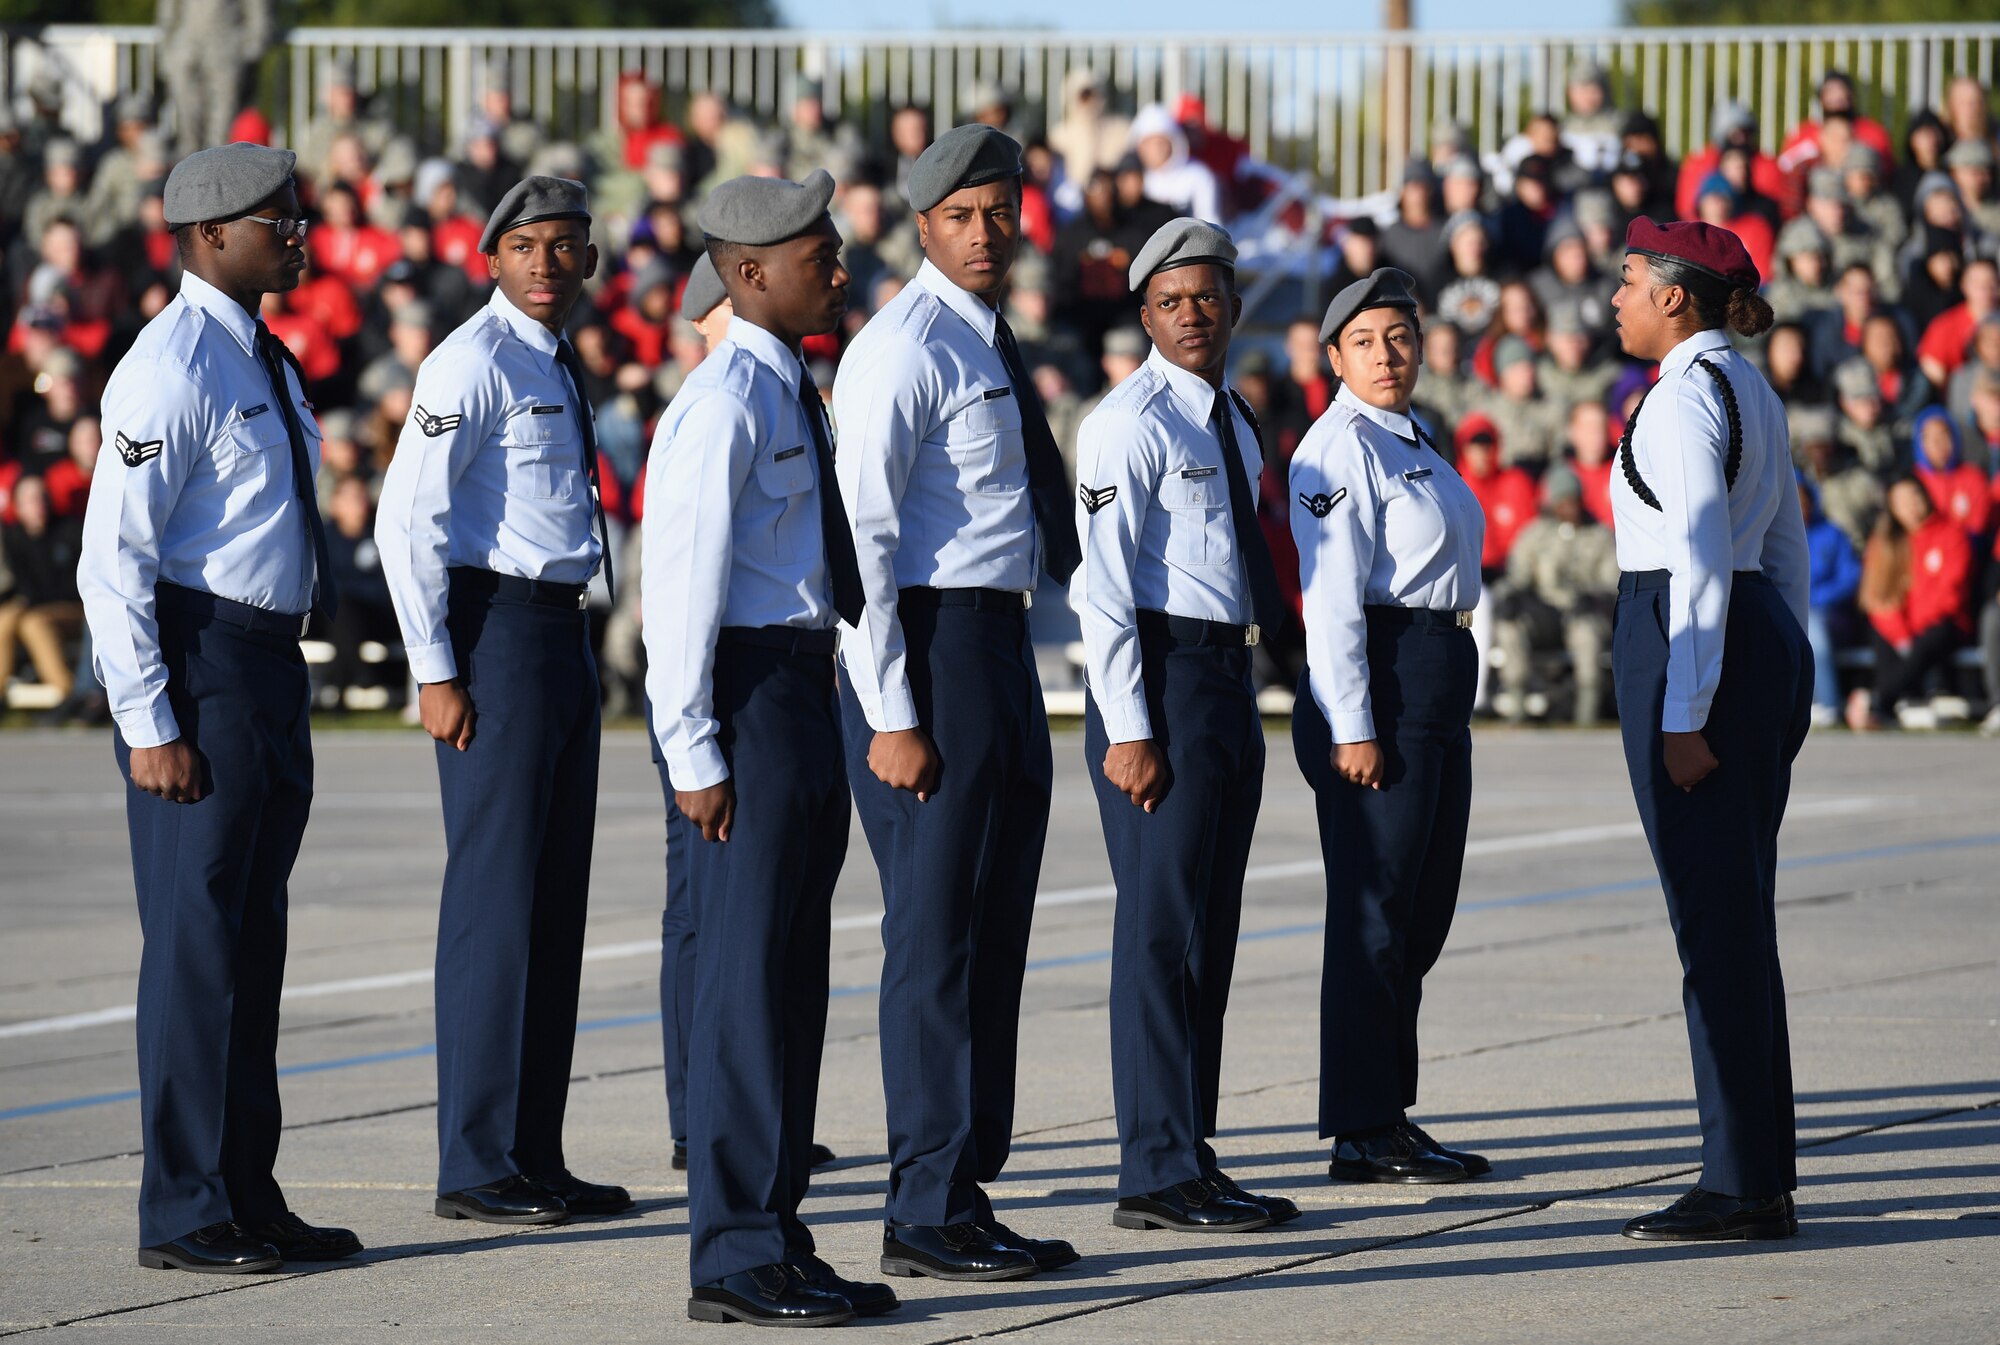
(1879, 255)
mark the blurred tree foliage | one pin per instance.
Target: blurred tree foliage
(436, 13)
(1795, 13)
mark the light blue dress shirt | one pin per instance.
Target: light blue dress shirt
(731, 535)
(933, 470)
(1380, 521)
(194, 487)
(1153, 513)
(1703, 532)
(489, 473)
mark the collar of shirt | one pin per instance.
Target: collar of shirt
(225, 310)
(1397, 423)
(1195, 393)
(1681, 357)
(766, 349)
(973, 309)
(532, 333)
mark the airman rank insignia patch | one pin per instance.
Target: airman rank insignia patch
(433, 426)
(1094, 500)
(1319, 506)
(135, 451)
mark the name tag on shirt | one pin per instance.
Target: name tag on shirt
(1418, 475)
(784, 453)
(257, 410)
(993, 393)
(1197, 473)
(543, 410)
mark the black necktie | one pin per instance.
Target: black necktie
(843, 572)
(272, 354)
(1267, 600)
(1048, 483)
(566, 357)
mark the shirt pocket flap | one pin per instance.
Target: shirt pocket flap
(785, 472)
(1193, 488)
(539, 433)
(257, 429)
(991, 411)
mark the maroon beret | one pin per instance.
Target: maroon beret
(1708, 248)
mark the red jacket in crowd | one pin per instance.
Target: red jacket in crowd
(1960, 493)
(1940, 583)
(1506, 494)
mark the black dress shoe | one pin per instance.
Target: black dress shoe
(584, 1197)
(1281, 1210)
(1475, 1165)
(869, 1299)
(297, 1240)
(219, 1249)
(511, 1200)
(1191, 1207)
(953, 1252)
(680, 1156)
(1049, 1253)
(1393, 1156)
(776, 1295)
(1710, 1216)
(819, 1157)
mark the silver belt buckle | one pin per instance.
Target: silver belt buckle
(1464, 620)
(1252, 635)
(583, 599)
(305, 622)
(1027, 600)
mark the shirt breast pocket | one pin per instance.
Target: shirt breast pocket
(1197, 503)
(982, 436)
(245, 450)
(543, 458)
(785, 476)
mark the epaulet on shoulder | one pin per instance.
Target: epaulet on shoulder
(918, 316)
(1133, 395)
(739, 369)
(178, 344)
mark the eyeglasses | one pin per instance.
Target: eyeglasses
(289, 227)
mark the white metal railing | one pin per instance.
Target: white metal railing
(1343, 107)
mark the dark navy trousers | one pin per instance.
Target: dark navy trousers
(211, 882)
(1179, 873)
(520, 807)
(1393, 858)
(958, 889)
(762, 903)
(676, 957)
(1716, 849)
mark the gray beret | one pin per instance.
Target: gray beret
(1825, 184)
(1561, 484)
(761, 210)
(1386, 287)
(1801, 235)
(1566, 315)
(1181, 242)
(964, 156)
(704, 292)
(532, 200)
(1863, 159)
(1509, 351)
(225, 182)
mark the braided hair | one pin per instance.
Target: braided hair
(1731, 465)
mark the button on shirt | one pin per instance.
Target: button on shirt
(1381, 521)
(1153, 512)
(732, 534)
(489, 473)
(194, 487)
(1703, 532)
(933, 470)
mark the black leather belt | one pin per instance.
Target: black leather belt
(1638, 581)
(1193, 630)
(790, 639)
(1419, 616)
(513, 588)
(979, 599)
(257, 620)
